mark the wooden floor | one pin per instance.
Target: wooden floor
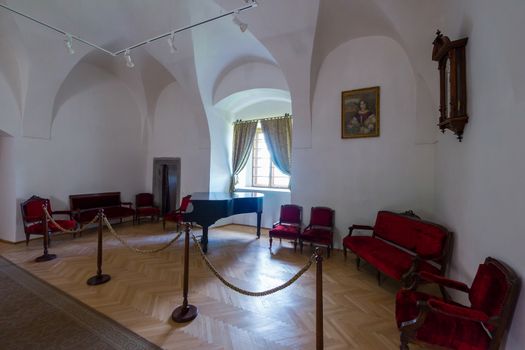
(144, 290)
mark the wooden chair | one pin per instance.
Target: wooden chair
(289, 224)
(440, 321)
(177, 215)
(145, 207)
(33, 218)
(320, 230)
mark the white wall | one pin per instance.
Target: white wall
(358, 177)
(174, 131)
(479, 182)
(273, 199)
(95, 146)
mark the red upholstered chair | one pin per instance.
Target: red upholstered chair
(320, 230)
(439, 321)
(177, 215)
(289, 224)
(144, 207)
(33, 218)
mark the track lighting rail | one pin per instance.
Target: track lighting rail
(249, 5)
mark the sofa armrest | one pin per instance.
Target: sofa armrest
(276, 223)
(358, 227)
(443, 281)
(127, 203)
(458, 311)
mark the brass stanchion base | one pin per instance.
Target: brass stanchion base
(46, 257)
(184, 314)
(98, 279)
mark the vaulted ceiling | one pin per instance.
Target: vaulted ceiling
(292, 36)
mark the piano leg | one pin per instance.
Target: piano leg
(259, 214)
(204, 239)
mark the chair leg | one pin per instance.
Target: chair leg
(295, 245)
(328, 252)
(358, 263)
(378, 278)
(27, 239)
(404, 342)
(163, 225)
(344, 251)
(301, 246)
(271, 242)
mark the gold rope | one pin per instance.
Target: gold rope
(246, 292)
(137, 250)
(63, 229)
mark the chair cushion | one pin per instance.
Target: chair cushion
(285, 231)
(144, 200)
(290, 214)
(440, 329)
(118, 212)
(147, 211)
(363, 245)
(38, 229)
(110, 212)
(317, 235)
(321, 216)
(86, 216)
(387, 258)
(425, 238)
(489, 290)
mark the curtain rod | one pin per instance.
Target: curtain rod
(258, 120)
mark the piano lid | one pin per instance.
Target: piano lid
(221, 196)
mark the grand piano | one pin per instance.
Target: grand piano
(208, 207)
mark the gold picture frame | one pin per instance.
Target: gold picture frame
(360, 113)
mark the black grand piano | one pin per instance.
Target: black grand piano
(208, 207)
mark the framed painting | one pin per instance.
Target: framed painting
(360, 113)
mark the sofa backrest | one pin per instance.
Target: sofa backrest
(94, 200)
(422, 237)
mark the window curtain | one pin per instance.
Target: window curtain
(243, 136)
(278, 136)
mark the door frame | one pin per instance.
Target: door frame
(157, 187)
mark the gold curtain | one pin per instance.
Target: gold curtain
(243, 136)
(278, 136)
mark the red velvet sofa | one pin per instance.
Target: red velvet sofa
(86, 206)
(401, 244)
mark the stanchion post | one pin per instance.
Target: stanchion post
(99, 278)
(319, 300)
(185, 312)
(46, 256)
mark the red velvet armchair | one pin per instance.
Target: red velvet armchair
(440, 321)
(289, 224)
(33, 218)
(144, 207)
(177, 215)
(320, 230)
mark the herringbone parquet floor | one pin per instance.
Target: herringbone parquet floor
(144, 290)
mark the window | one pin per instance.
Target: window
(264, 172)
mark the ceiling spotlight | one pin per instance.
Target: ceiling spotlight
(242, 26)
(252, 2)
(68, 41)
(129, 61)
(171, 42)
